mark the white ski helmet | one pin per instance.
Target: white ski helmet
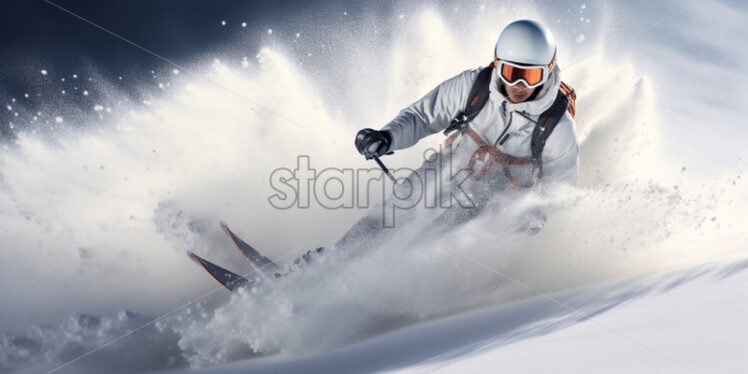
(526, 42)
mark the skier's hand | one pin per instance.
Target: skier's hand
(371, 143)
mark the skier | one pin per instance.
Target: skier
(511, 123)
(510, 127)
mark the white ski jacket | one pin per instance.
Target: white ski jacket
(433, 113)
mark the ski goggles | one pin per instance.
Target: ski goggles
(531, 75)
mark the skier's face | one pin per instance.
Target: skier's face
(518, 93)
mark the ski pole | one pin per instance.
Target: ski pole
(384, 169)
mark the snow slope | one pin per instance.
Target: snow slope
(686, 321)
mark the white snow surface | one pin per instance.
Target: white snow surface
(686, 321)
(646, 257)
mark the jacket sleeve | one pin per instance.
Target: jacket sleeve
(433, 112)
(561, 154)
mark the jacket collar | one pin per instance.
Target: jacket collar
(542, 101)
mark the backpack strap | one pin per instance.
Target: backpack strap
(571, 95)
(476, 101)
(565, 100)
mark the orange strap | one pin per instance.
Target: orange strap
(495, 156)
(571, 95)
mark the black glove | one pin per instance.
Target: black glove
(370, 142)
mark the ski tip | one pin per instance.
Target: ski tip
(225, 227)
(193, 256)
(230, 233)
(204, 265)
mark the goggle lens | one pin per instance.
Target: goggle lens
(511, 74)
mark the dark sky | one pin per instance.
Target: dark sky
(36, 36)
(33, 32)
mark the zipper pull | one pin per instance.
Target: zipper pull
(503, 139)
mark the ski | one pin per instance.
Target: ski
(262, 263)
(226, 278)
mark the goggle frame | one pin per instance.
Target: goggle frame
(499, 65)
